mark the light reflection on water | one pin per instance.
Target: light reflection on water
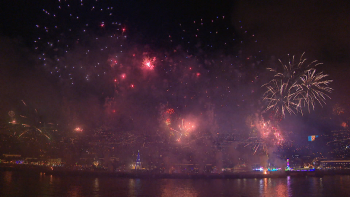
(289, 190)
(134, 187)
(184, 189)
(96, 187)
(8, 177)
(74, 191)
(21, 184)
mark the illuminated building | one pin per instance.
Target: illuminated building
(296, 161)
(339, 142)
(54, 162)
(335, 164)
(11, 155)
(339, 136)
(193, 168)
(138, 161)
(288, 167)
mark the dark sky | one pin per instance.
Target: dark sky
(318, 28)
(152, 17)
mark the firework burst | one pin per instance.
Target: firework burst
(29, 123)
(279, 97)
(264, 135)
(183, 130)
(312, 88)
(297, 87)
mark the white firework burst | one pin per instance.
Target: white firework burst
(299, 86)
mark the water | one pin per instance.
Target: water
(14, 183)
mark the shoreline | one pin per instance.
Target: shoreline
(150, 175)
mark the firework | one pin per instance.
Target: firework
(338, 109)
(279, 97)
(92, 53)
(73, 47)
(183, 130)
(312, 88)
(78, 129)
(177, 127)
(95, 51)
(299, 86)
(294, 69)
(30, 124)
(255, 143)
(149, 63)
(170, 111)
(264, 135)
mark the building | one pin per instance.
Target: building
(339, 143)
(138, 165)
(335, 164)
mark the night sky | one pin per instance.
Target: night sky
(93, 66)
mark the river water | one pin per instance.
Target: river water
(13, 183)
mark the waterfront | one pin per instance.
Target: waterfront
(16, 183)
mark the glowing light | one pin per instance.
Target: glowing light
(259, 169)
(312, 138)
(78, 129)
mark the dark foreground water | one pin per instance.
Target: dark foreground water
(14, 183)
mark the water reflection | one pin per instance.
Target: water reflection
(8, 177)
(289, 189)
(177, 188)
(134, 187)
(20, 184)
(75, 191)
(261, 186)
(96, 185)
(281, 190)
(275, 187)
